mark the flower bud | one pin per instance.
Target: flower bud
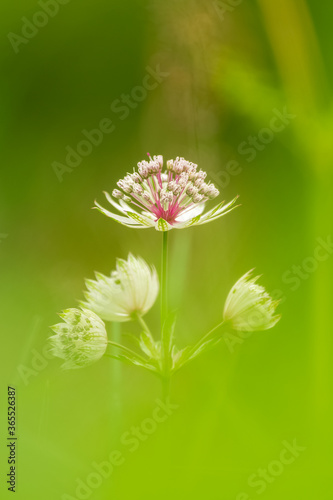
(197, 198)
(137, 189)
(125, 186)
(249, 307)
(191, 190)
(80, 340)
(170, 165)
(159, 160)
(131, 289)
(117, 194)
(136, 177)
(143, 168)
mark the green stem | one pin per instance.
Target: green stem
(164, 279)
(127, 350)
(144, 325)
(166, 387)
(200, 342)
(165, 340)
(205, 337)
(116, 375)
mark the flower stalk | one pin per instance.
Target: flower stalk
(165, 331)
(164, 280)
(116, 378)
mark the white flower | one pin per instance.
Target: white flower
(131, 289)
(249, 307)
(165, 200)
(80, 340)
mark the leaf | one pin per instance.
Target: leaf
(149, 347)
(205, 346)
(133, 360)
(169, 332)
(189, 353)
(132, 338)
(179, 357)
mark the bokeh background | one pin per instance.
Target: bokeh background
(228, 69)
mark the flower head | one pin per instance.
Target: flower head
(249, 307)
(131, 289)
(173, 198)
(80, 340)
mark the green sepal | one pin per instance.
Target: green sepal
(162, 225)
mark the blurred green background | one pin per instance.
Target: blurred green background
(228, 69)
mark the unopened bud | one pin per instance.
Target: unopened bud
(169, 164)
(191, 190)
(136, 177)
(159, 160)
(146, 196)
(117, 194)
(125, 186)
(197, 198)
(137, 189)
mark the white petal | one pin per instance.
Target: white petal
(192, 222)
(218, 211)
(141, 219)
(123, 220)
(132, 287)
(114, 203)
(192, 212)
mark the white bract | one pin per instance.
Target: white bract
(80, 340)
(174, 198)
(130, 290)
(249, 307)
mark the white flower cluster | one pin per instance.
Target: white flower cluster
(130, 291)
(80, 340)
(249, 307)
(173, 198)
(181, 178)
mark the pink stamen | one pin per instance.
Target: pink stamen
(143, 205)
(159, 178)
(152, 183)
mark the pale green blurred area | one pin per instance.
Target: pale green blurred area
(227, 74)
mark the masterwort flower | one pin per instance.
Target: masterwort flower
(249, 307)
(130, 290)
(173, 198)
(80, 340)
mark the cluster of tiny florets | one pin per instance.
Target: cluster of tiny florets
(165, 194)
